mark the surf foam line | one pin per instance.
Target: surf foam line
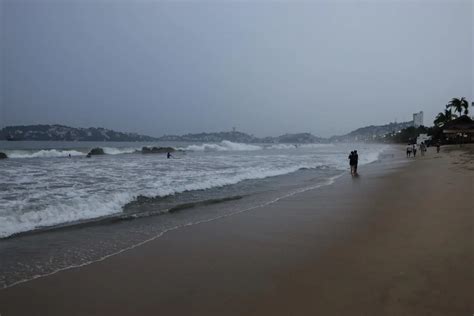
(328, 181)
(43, 153)
(62, 153)
(97, 207)
(224, 145)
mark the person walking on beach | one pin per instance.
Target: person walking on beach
(352, 162)
(438, 147)
(414, 150)
(408, 150)
(422, 148)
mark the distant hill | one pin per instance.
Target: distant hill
(371, 133)
(66, 133)
(237, 137)
(300, 138)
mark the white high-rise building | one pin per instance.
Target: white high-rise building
(418, 119)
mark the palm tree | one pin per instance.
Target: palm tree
(459, 105)
(443, 118)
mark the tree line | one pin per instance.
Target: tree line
(457, 107)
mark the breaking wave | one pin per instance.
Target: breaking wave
(119, 151)
(35, 196)
(79, 207)
(44, 153)
(58, 153)
(225, 145)
(206, 147)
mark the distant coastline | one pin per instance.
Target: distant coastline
(55, 132)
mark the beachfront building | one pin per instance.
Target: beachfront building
(461, 129)
(418, 119)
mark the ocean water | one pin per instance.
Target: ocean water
(54, 208)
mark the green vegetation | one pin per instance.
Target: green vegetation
(459, 105)
(409, 134)
(444, 117)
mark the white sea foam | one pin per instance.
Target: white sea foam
(55, 153)
(231, 146)
(329, 181)
(119, 151)
(72, 210)
(44, 153)
(15, 216)
(38, 193)
(282, 146)
(315, 145)
(225, 145)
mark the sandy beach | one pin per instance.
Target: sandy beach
(397, 240)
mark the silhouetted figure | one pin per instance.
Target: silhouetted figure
(356, 158)
(352, 163)
(438, 147)
(422, 148)
(408, 150)
(414, 150)
(168, 155)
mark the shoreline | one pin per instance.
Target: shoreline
(72, 228)
(321, 251)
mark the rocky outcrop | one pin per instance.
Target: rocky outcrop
(157, 150)
(3, 155)
(96, 151)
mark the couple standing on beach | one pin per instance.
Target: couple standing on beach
(411, 149)
(353, 161)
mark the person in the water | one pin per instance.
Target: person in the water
(168, 155)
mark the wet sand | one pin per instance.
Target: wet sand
(397, 240)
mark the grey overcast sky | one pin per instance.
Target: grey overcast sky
(267, 68)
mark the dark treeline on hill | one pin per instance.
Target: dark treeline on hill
(372, 133)
(240, 137)
(65, 133)
(233, 136)
(407, 135)
(388, 133)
